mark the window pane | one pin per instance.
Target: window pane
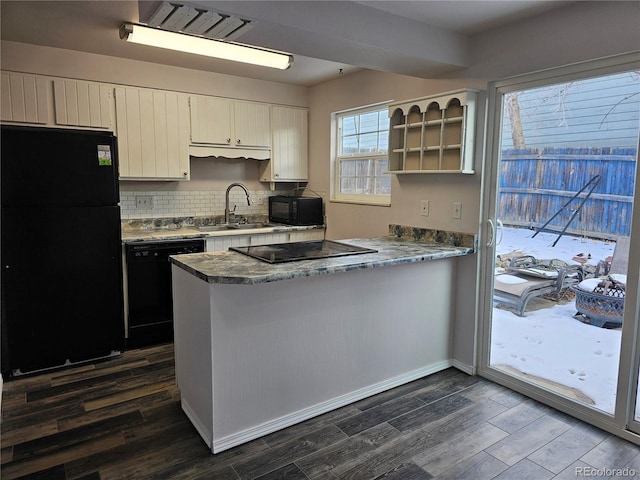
(349, 145)
(361, 134)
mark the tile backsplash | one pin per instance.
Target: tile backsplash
(164, 204)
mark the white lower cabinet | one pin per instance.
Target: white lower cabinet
(223, 242)
(219, 244)
(268, 238)
(306, 235)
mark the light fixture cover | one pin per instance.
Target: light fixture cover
(203, 46)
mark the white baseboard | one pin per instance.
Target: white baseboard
(274, 425)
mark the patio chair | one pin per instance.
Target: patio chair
(619, 261)
(527, 278)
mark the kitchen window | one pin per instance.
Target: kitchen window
(361, 142)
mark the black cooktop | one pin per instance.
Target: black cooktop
(290, 252)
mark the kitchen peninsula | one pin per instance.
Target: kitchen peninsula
(262, 346)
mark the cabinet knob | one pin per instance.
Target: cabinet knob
(277, 175)
(228, 140)
(185, 173)
(238, 141)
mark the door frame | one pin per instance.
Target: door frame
(629, 362)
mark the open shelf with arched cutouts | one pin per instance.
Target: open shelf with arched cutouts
(433, 134)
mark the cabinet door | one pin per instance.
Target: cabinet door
(269, 238)
(82, 104)
(153, 134)
(306, 235)
(211, 120)
(252, 124)
(24, 98)
(219, 244)
(289, 150)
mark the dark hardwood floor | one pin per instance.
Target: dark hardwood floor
(121, 419)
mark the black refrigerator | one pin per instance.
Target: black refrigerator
(61, 254)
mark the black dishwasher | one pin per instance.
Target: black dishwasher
(150, 300)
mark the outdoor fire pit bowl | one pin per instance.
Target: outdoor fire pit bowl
(603, 306)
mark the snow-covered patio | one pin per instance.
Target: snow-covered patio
(548, 342)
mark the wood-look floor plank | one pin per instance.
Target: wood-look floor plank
(95, 374)
(409, 445)
(141, 441)
(78, 419)
(288, 472)
(481, 466)
(527, 440)
(347, 451)
(154, 463)
(459, 447)
(448, 386)
(406, 471)
(310, 425)
(60, 440)
(525, 470)
(380, 414)
(561, 452)
(286, 453)
(406, 389)
(517, 417)
(124, 396)
(611, 453)
(28, 433)
(31, 465)
(430, 414)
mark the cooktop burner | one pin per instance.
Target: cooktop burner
(290, 252)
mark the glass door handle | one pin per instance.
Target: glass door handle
(501, 231)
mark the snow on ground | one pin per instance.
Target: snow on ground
(549, 343)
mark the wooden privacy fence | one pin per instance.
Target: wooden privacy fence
(536, 183)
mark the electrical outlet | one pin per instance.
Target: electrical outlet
(457, 210)
(424, 208)
(144, 201)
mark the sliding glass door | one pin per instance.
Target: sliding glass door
(562, 151)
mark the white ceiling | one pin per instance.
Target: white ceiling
(418, 38)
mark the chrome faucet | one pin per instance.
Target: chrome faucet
(227, 213)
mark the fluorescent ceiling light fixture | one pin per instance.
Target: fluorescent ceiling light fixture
(204, 46)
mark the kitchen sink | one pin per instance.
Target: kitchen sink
(234, 226)
(214, 228)
(247, 226)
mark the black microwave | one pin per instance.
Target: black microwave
(296, 210)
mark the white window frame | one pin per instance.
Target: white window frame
(336, 195)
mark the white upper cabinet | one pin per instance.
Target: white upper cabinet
(83, 104)
(289, 146)
(252, 124)
(232, 123)
(153, 134)
(24, 98)
(211, 120)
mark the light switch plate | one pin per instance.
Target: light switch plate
(457, 210)
(144, 201)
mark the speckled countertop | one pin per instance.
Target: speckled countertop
(187, 228)
(235, 268)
